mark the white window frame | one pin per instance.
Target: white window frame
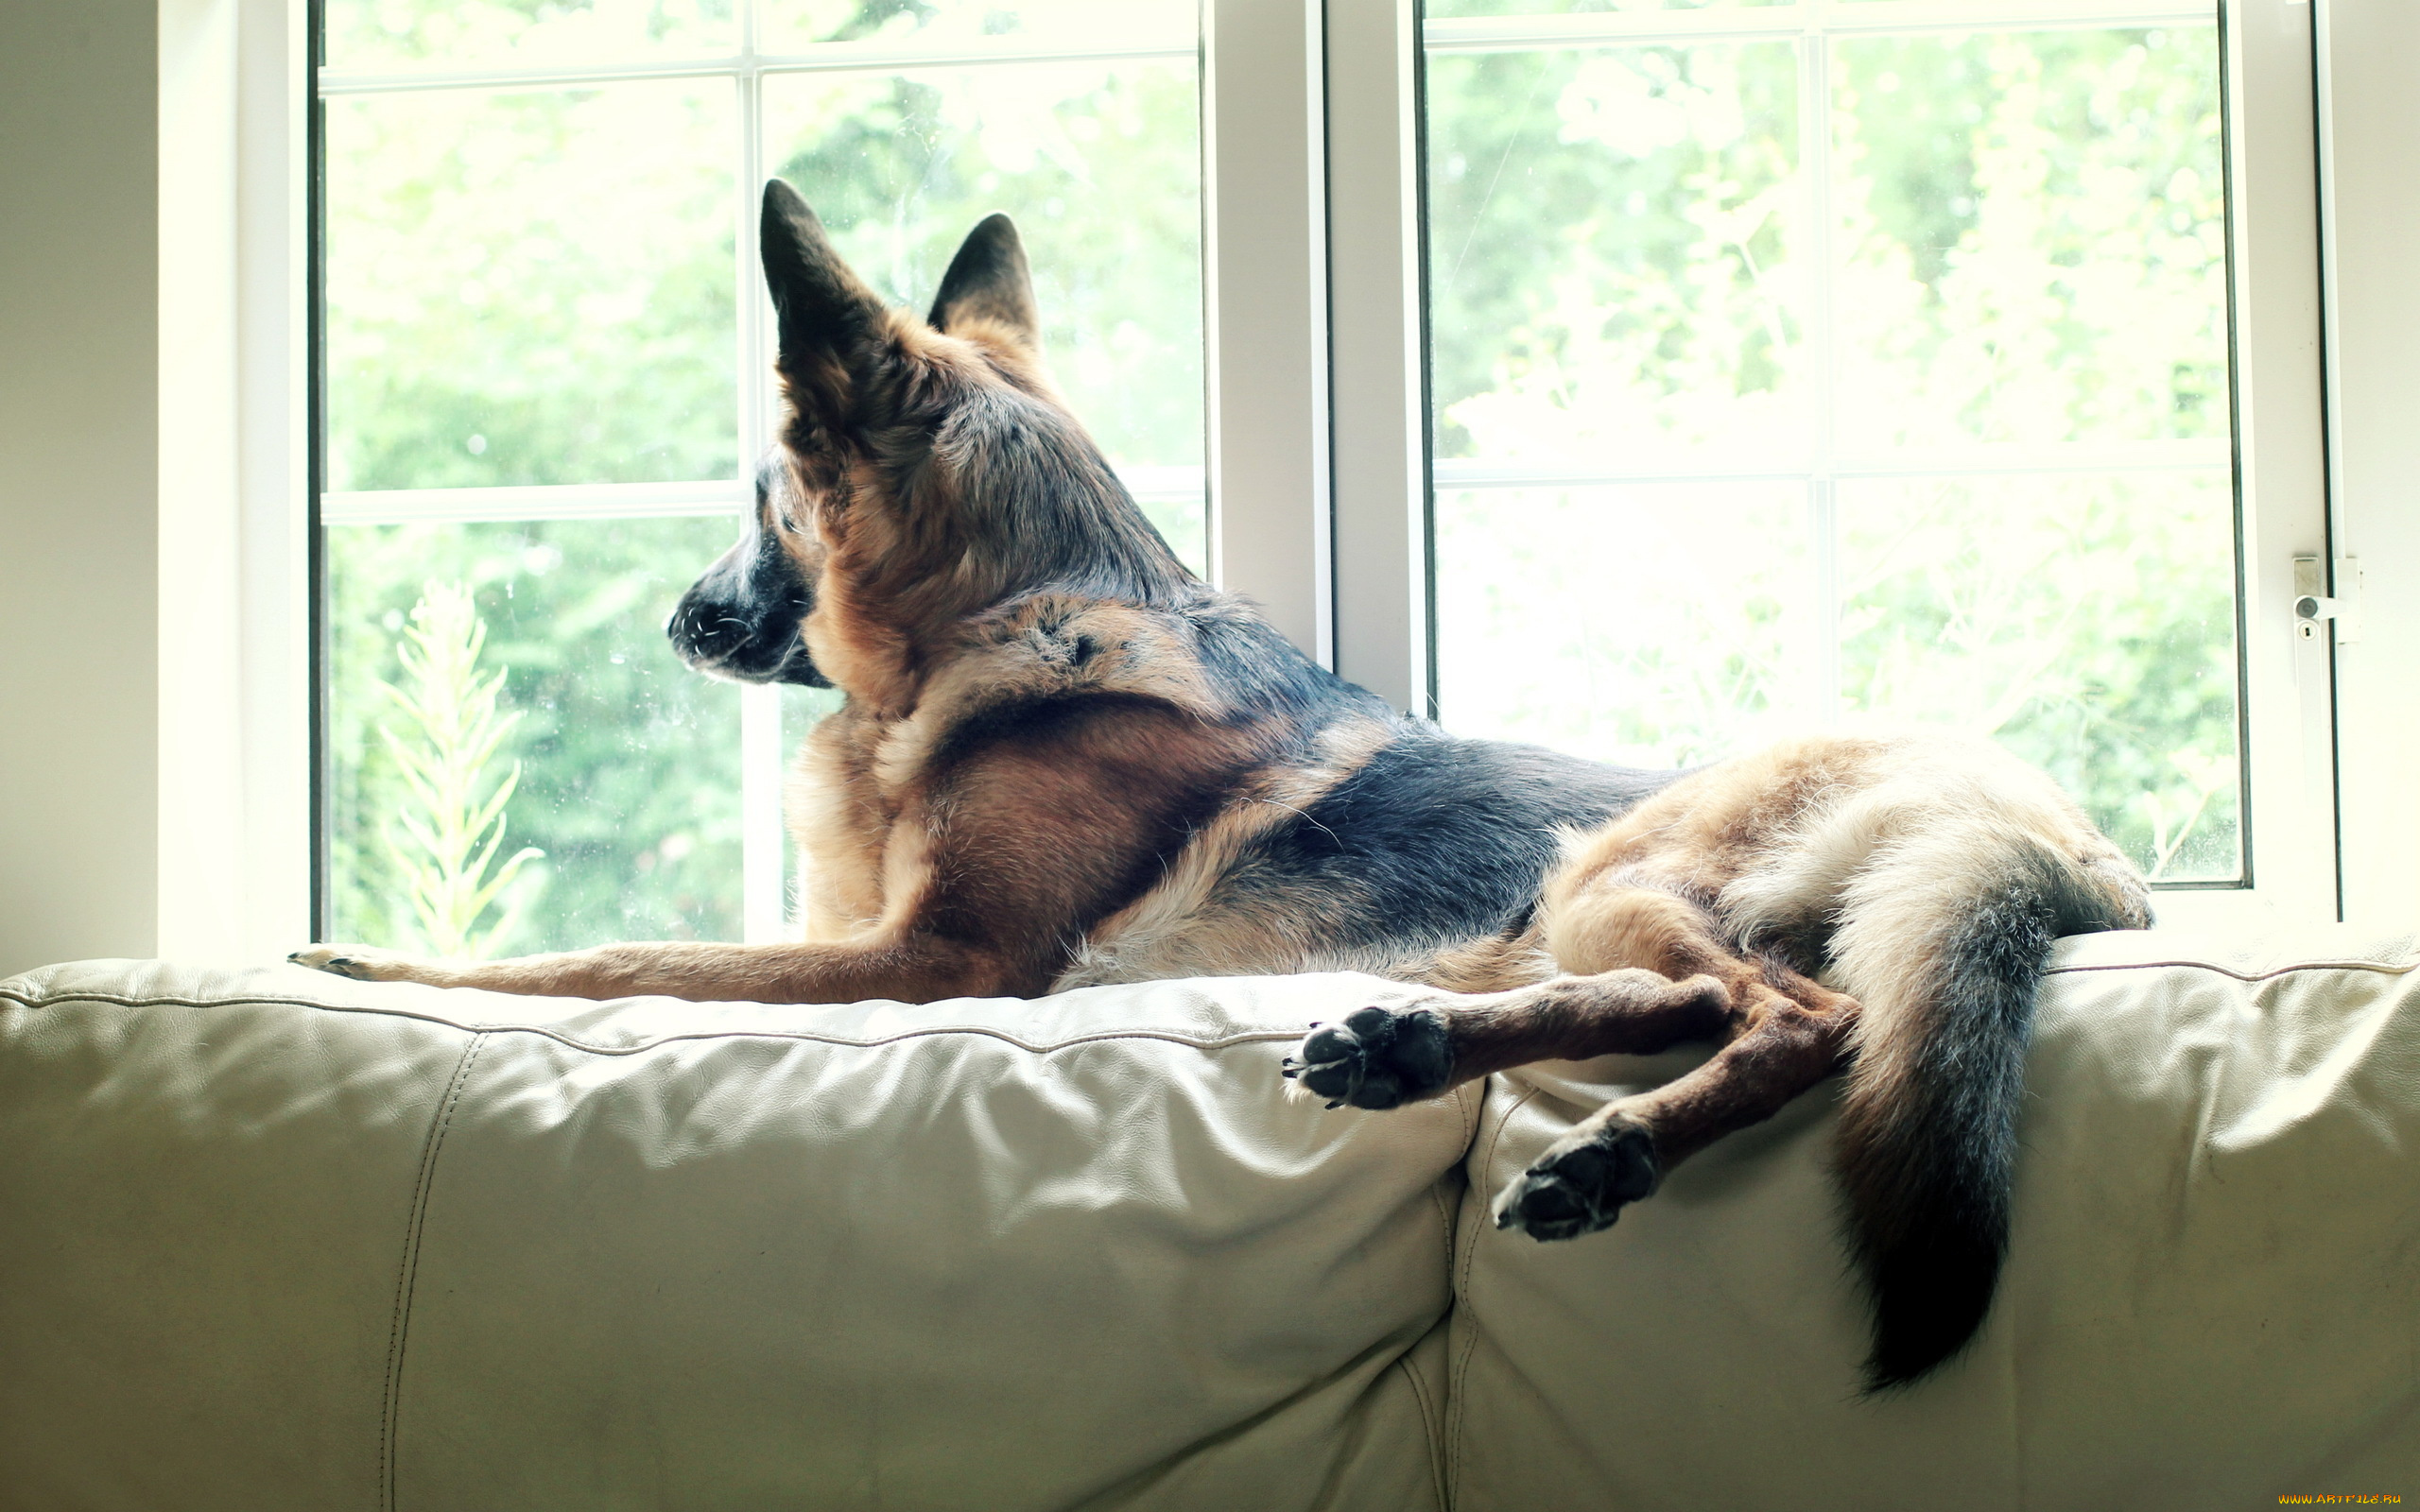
(232, 868)
(1318, 458)
(2368, 57)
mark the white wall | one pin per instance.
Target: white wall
(78, 472)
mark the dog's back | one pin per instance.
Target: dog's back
(1389, 848)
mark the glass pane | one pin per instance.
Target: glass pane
(1611, 245)
(377, 36)
(1099, 163)
(1439, 8)
(2086, 623)
(803, 708)
(531, 289)
(1651, 625)
(1995, 387)
(628, 761)
(968, 26)
(2032, 232)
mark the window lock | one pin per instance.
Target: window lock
(2313, 604)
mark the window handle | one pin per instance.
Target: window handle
(2313, 604)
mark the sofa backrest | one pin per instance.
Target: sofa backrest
(2212, 1300)
(273, 1240)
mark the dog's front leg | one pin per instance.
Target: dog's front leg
(912, 968)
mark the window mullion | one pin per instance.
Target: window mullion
(2290, 848)
(763, 846)
(271, 260)
(1377, 395)
(1264, 312)
(1823, 365)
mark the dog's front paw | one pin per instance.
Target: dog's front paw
(362, 963)
(1580, 1188)
(1376, 1059)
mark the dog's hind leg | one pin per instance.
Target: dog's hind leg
(1645, 970)
(1785, 1033)
(1383, 1058)
(1659, 972)
(1619, 1154)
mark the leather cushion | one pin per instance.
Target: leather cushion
(2213, 1297)
(274, 1239)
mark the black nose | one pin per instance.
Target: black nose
(705, 629)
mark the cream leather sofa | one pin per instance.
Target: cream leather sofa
(273, 1241)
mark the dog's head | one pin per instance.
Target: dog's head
(927, 471)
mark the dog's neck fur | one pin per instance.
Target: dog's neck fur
(979, 494)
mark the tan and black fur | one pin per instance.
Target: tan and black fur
(1062, 760)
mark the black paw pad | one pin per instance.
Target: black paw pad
(1376, 1059)
(1582, 1190)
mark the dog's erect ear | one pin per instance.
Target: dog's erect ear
(988, 281)
(828, 320)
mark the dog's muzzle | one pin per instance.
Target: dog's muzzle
(743, 641)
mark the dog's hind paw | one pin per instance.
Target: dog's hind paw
(1376, 1059)
(1583, 1187)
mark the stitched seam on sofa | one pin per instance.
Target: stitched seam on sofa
(1456, 1386)
(2404, 969)
(1432, 1414)
(1446, 1216)
(1431, 1423)
(399, 1328)
(1135, 1488)
(1466, 1109)
(1248, 1037)
(1432, 1418)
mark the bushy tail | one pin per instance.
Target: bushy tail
(1941, 939)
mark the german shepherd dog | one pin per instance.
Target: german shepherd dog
(1064, 760)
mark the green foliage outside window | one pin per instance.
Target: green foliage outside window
(447, 840)
(630, 763)
(2023, 247)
